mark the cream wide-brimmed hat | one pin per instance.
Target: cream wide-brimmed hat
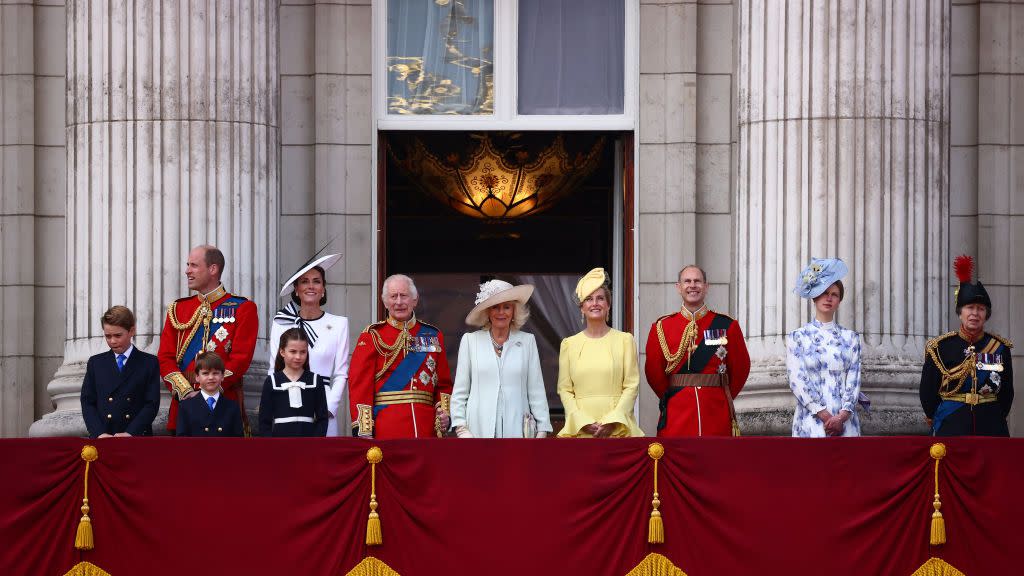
(495, 292)
(589, 282)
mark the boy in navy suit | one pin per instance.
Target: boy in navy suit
(209, 413)
(121, 390)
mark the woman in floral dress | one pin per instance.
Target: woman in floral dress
(823, 358)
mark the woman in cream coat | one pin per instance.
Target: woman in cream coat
(499, 389)
(598, 377)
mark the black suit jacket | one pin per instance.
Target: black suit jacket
(195, 418)
(127, 401)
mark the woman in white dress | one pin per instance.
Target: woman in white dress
(823, 358)
(499, 390)
(327, 333)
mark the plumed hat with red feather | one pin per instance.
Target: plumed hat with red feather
(968, 292)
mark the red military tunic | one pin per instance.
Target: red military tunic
(407, 410)
(696, 411)
(221, 323)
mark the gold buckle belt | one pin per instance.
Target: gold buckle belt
(698, 380)
(404, 397)
(971, 399)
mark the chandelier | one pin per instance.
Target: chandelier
(497, 184)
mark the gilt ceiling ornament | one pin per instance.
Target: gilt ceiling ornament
(496, 184)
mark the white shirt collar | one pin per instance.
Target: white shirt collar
(127, 353)
(215, 396)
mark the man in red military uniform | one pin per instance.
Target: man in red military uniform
(697, 363)
(212, 320)
(399, 382)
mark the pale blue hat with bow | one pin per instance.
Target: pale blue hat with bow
(818, 276)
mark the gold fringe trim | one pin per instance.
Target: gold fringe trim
(86, 569)
(374, 537)
(84, 538)
(937, 567)
(656, 565)
(655, 526)
(938, 530)
(370, 566)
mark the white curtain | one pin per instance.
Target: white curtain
(440, 56)
(571, 56)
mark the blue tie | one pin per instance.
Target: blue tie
(210, 402)
(120, 362)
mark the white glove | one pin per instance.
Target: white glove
(463, 432)
(542, 434)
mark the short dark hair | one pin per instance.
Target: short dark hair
(208, 361)
(323, 278)
(703, 275)
(120, 316)
(214, 257)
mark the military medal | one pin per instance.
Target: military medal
(221, 333)
(227, 347)
(431, 363)
(995, 378)
(990, 362)
(715, 338)
(424, 377)
(721, 368)
(211, 346)
(721, 352)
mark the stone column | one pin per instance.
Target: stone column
(172, 141)
(843, 151)
(17, 221)
(999, 120)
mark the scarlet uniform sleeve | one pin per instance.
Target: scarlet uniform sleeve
(444, 373)
(654, 364)
(360, 376)
(738, 360)
(243, 343)
(166, 354)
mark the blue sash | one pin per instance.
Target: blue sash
(196, 345)
(406, 368)
(947, 407)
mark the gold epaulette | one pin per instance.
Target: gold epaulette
(368, 326)
(430, 325)
(1006, 341)
(934, 342)
(717, 313)
(665, 317)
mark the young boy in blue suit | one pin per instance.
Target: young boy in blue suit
(121, 390)
(209, 413)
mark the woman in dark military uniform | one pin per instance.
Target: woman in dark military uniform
(967, 380)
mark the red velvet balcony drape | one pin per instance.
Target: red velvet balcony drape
(856, 506)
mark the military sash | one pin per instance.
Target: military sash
(406, 368)
(698, 360)
(947, 406)
(223, 313)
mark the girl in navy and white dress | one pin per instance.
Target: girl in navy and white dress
(294, 401)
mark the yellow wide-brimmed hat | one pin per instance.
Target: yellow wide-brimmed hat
(591, 281)
(495, 292)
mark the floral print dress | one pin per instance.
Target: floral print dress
(823, 362)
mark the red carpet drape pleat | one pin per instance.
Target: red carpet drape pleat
(857, 506)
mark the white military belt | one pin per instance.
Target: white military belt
(293, 419)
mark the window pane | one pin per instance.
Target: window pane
(440, 56)
(571, 56)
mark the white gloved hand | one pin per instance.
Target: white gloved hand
(463, 432)
(542, 434)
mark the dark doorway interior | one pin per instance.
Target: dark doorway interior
(449, 253)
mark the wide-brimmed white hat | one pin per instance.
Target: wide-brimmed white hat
(324, 261)
(495, 292)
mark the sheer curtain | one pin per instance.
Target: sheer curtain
(571, 56)
(440, 56)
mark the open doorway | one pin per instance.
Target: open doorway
(456, 209)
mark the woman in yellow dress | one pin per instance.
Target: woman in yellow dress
(598, 376)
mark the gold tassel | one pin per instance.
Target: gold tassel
(84, 538)
(938, 532)
(655, 526)
(373, 532)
